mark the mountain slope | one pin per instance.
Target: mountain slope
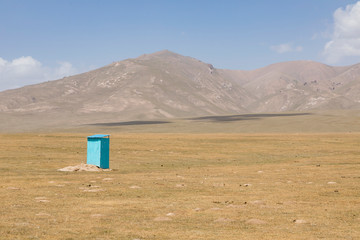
(168, 85)
(301, 85)
(163, 84)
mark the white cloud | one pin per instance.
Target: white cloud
(345, 40)
(27, 70)
(286, 47)
(64, 69)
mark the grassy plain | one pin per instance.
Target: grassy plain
(182, 186)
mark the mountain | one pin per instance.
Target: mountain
(168, 85)
(163, 84)
(301, 85)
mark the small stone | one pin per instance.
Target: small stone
(331, 183)
(94, 190)
(108, 179)
(162, 219)
(42, 214)
(134, 187)
(257, 202)
(299, 221)
(181, 185)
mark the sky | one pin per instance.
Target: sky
(42, 40)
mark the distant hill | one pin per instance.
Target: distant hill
(168, 85)
(299, 86)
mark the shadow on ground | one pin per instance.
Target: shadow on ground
(113, 124)
(231, 118)
(228, 118)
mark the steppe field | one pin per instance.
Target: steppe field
(278, 178)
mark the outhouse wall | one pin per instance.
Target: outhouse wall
(98, 150)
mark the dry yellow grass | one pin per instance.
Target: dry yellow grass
(182, 186)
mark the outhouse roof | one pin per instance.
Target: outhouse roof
(99, 136)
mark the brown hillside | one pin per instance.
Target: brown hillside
(168, 85)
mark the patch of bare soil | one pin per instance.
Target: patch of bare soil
(299, 221)
(83, 167)
(224, 220)
(42, 199)
(162, 219)
(255, 221)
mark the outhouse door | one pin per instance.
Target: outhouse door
(98, 150)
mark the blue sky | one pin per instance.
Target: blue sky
(47, 39)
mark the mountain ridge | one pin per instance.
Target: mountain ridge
(165, 84)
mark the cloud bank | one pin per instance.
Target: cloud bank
(286, 47)
(345, 40)
(27, 70)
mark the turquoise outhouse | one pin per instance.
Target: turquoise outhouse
(98, 150)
